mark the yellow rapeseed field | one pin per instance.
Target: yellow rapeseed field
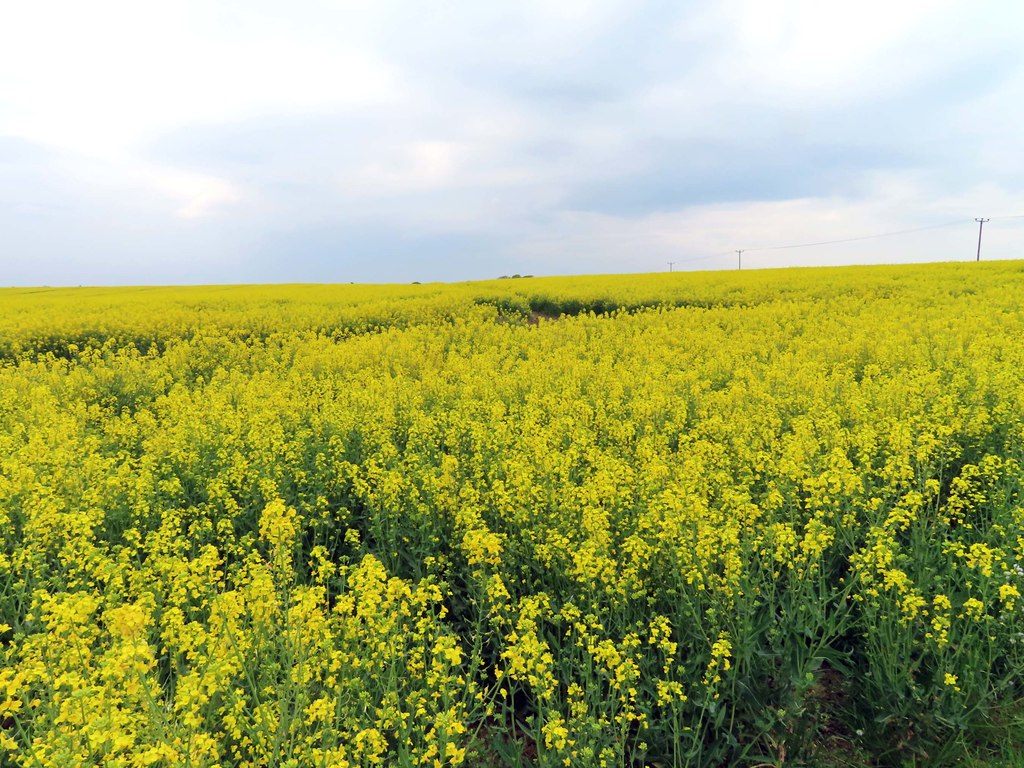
(663, 520)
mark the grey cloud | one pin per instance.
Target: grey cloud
(657, 158)
(686, 173)
(17, 151)
(341, 252)
(262, 145)
(624, 116)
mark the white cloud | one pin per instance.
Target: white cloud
(706, 236)
(421, 164)
(584, 136)
(197, 195)
(101, 80)
(825, 49)
(104, 78)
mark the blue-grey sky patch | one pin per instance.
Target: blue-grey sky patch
(680, 174)
(238, 142)
(342, 253)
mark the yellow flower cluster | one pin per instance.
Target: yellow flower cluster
(662, 519)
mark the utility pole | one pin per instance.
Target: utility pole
(670, 265)
(981, 223)
(739, 257)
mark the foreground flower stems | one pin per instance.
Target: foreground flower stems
(667, 520)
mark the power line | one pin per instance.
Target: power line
(855, 239)
(704, 258)
(740, 251)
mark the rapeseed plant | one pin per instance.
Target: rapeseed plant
(667, 519)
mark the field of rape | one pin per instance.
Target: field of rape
(754, 518)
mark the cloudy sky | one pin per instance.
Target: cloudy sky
(306, 141)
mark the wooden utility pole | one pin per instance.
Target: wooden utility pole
(981, 223)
